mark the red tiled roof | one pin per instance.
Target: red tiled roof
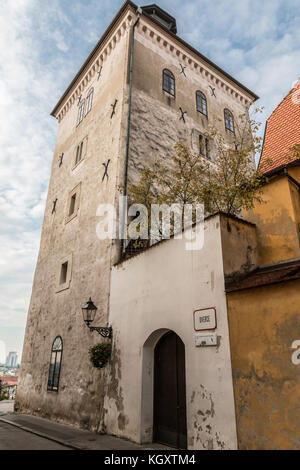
(266, 276)
(282, 131)
(10, 380)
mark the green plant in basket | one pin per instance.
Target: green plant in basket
(100, 355)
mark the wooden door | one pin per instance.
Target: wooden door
(170, 392)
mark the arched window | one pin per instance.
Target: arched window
(55, 364)
(168, 82)
(89, 100)
(80, 111)
(201, 102)
(229, 121)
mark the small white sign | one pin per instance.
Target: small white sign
(296, 354)
(205, 319)
(206, 339)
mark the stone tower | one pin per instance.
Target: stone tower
(136, 95)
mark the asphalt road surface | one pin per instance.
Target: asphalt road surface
(12, 438)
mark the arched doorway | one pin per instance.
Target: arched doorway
(169, 418)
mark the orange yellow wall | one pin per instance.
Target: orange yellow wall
(277, 220)
(264, 322)
(294, 171)
(239, 246)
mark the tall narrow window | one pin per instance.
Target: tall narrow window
(229, 121)
(72, 204)
(201, 144)
(55, 365)
(80, 111)
(63, 273)
(89, 100)
(79, 153)
(201, 102)
(204, 148)
(168, 82)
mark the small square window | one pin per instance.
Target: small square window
(64, 273)
(73, 203)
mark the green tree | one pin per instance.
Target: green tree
(228, 182)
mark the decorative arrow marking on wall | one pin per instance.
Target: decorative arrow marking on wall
(113, 109)
(182, 115)
(182, 69)
(54, 206)
(99, 73)
(212, 91)
(105, 170)
(61, 159)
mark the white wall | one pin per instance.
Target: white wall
(157, 291)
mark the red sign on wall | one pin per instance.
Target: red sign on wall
(205, 319)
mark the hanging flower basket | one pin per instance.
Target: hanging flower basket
(100, 354)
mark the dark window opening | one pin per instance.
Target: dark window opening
(63, 273)
(55, 365)
(72, 205)
(229, 121)
(168, 82)
(201, 103)
(79, 153)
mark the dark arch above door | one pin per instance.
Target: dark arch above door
(169, 420)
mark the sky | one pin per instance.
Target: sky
(42, 46)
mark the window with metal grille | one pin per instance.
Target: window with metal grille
(201, 102)
(80, 111)
(229, 121)
(168, 82)
(55, 365)
(89, 101)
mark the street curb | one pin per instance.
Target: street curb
(45, 436)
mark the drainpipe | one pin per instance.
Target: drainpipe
(139, 13)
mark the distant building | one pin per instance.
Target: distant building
(12, 360)
(9, 385)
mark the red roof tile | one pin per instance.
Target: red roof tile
(266, 276)
(10, 380)
(282, 131)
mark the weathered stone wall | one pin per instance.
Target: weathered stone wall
(53, 313)
(264, 324)
(156, 124)
(277, 240)
(239, 247)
